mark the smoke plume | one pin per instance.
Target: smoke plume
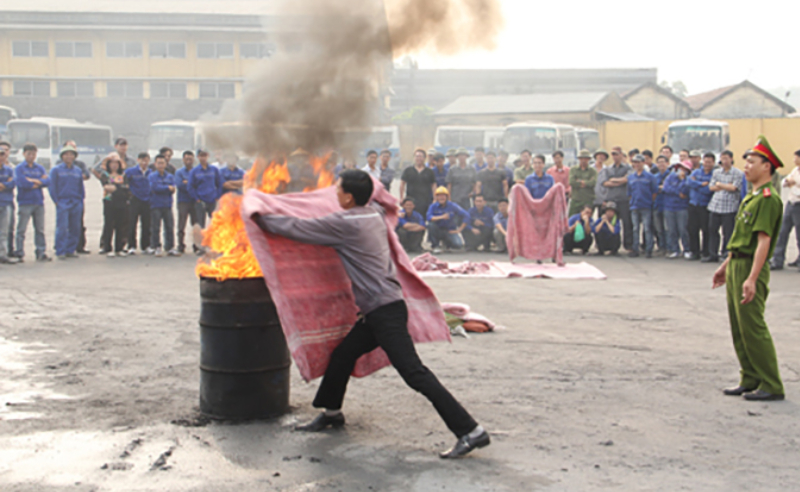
(324, 85)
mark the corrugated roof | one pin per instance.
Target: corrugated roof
(566, 102)
(699, 101)
(624, 116)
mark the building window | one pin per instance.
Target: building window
(73, 49)
(124, 49)
(30, 48)
(130, 90)
(214, 50)
(31, 88)
(171, 90)
(81, 88)
(217, 90)
(257, 50)
(167, 50)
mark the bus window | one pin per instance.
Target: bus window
(176, 137)
(461, 138)
(24, 132)
(5, 115)
(537, 140)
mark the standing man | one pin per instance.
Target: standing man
(205, 183)
(699, 197)
(443, 224)
(502, 163)
(649, 165)
(695, 158)
(600, 158)
(481, 226)
(676, 203)
(582, 180)
(232, 176)
(67, 192)
(462, 180)
(162, 186)
(30, 179)
(560, 172)
(501, 226)
(791, 217)
(758, 223)
(525, 168)
(410, 227)
(387, 173)
(659, 224)
(7, 185)
(614, 179)
(431, 154)
(371, 167)
(139, 185)
(726, 184)
(451, 158)
(492, 183)
(480, 159)
(121, 146)
(641, 190)
(539, 183)
(440, 170)
(86, 177)
(667, 152)
(418, 182)
(188, 206)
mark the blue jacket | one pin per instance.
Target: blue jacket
(26, 193)
(699, 195)
(481, 168)
(7, 179)
(487, 217)
(615, 222)
(226, 174)
(185, 195)
(138, 182)
(66, 185)
(160, 194)
(416, 218)
(537, 186)
(658, 205)
(673, 187)
(441, 177)
(641, 190)
(205, 184)
(449, 207)
(500, 219)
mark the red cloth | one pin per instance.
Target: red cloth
(311, 289)
(536, 228)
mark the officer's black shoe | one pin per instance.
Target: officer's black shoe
(737, 391)
(466, 444)
(761, 395)
(775, 267)
(321, 423)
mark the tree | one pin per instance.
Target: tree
(418, 115)
(677, 87)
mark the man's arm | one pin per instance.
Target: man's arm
(325, 231)
(759, 259)
(402, 189)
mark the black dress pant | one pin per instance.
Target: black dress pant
(727, 221)
(410, 240)
(570, 244)
(624, 214)
(387, 328)
(82, 237)
(472, 240)
(698, 224)
(140, 212)
(115, 226)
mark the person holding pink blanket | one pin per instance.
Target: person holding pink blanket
(358, 234)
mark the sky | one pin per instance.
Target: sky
(704, 43)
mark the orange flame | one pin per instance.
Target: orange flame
(226, 236)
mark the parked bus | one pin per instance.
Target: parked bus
(588, 139)
(49, 134)
(541, 138)
(469, 137)
(702, 135)
(379, 138)
(178, 135)
(6, 114)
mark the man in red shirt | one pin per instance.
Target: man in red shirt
(560, 172)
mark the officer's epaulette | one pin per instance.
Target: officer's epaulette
(767, 192)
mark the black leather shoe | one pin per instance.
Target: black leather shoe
(321, 423)
(761, 395)
(465, 445)
(737, 391)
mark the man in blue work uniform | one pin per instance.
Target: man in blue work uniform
(659, 223)
(481, 226)
(30, 179)
(641, 189)
(205, 184)
(136, 178)
(699, 197)
(579, 232)
(7, 185)
(480, 159)
(443, 225)
(232, 177)
(501, 226)
(440, 170)
(162, 186)
(188, 207)
(676, 203)
(67, 192)
(410, 227)
(539, 183)
(86, 177)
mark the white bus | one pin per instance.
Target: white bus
(703, 135)
(178, 135)
(469, 137)
(378, 139)
(49, 134)
(6, 114)
(541, 138)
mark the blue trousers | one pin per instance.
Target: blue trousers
(677, 228)
(68, 228)
(642, 217)
(157, 216)
(26, 212)
(438, 235)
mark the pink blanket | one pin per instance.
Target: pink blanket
(312, 291)
(536, 228)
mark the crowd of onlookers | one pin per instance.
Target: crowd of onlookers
(138, 197)
(684, 209)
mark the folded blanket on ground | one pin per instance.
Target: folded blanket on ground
(473, 322)
(536, 228)
(311, 289)
(429, 263)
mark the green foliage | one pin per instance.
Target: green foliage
(418, 115)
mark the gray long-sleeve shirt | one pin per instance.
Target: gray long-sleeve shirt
(360, 238)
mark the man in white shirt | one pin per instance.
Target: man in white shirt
(372, 167)
(791, 218)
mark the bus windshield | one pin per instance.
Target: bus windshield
(178, 137)
(704, 138)
(461, 138)
(87, 137)
(5, 116)
(537, 140)
(589, 141)
(377, 141)
(29, 132)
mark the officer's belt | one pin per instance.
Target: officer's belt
(735, 255)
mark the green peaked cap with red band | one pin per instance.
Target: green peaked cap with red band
(764, 149)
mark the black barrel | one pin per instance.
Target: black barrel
(244, 359)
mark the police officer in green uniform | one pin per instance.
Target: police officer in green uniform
(746, 275)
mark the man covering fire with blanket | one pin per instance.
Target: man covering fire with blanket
(358, 234)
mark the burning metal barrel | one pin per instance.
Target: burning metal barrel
(244, 359)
